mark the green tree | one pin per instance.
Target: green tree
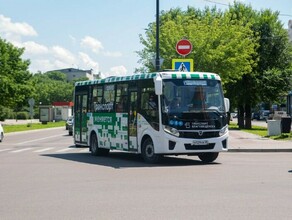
(271, 76)
(248, 48)
(15, 88)
(219, 45)
(52, 87)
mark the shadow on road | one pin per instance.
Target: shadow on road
(120, 160)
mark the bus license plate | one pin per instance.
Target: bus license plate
(200, 142)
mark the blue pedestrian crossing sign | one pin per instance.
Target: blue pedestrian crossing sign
(183, 65)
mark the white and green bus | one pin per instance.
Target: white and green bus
(153, 114)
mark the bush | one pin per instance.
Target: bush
(36, 114)
(22, 115)
(6, 113)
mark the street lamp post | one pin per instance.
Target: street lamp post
(157, 59)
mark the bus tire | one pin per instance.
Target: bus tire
(208, 157)
(95, 150)
(147, 151)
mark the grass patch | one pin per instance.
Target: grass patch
(32, 126)
(284, 136)
(262, 131)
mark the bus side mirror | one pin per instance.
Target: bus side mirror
(227, 104)
(158, 85)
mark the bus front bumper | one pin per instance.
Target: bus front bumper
(173, 145)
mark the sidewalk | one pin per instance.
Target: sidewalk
(19, 121)
(240, 141)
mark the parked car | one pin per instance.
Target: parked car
(255, 115)
(70, 127)
(69, 122)
(265, 115)
(1, 133)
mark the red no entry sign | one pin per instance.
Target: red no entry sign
(184, 47)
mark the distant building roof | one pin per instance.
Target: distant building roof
(62, 103)
(73, 70)
(73, 73)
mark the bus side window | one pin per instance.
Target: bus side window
(121, 105)
(149, 105)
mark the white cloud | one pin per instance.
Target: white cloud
(41, 65)
(87, 62)
(51, 58)
(115, 71)
(113, 54)
(91, 43)
(34, 48)
(45, 58)
(60, 64)
(63, 55)
(14, 30)
(73, 39)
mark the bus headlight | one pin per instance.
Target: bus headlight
(223, 130)
(171, 131)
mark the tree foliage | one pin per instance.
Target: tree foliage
(271, 77)
(248, 48)
(218, 45)
(15, 88)
(52, 87)
(17, 84)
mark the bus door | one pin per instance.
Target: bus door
(80, 118)
(133, 119)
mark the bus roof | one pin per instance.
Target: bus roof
(141, 76)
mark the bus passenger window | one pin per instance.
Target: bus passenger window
(121, 105)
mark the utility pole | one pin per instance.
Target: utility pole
(157, 59)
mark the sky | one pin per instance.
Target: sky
(102, 35)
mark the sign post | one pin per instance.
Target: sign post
(183, 65)
(31, 103)
(184, 47)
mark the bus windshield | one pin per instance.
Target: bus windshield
(189, 95)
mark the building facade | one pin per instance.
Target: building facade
(73, 73)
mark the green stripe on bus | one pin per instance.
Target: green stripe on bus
(149, 76)
(195, 76)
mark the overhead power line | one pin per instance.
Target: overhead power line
(219, 3)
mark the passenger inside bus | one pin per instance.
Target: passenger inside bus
(174, 104)
(121, 106)
(152, 102)
(198, 100)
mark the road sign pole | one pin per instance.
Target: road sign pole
(157, 60)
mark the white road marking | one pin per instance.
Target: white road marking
(65, 149)
(45, 149)
(21, 150)
(84, 150)
(25, 142)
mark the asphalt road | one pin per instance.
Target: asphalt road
(43, 176)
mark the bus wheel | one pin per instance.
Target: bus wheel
(148, 152)
(208, 157)
(95, 150)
